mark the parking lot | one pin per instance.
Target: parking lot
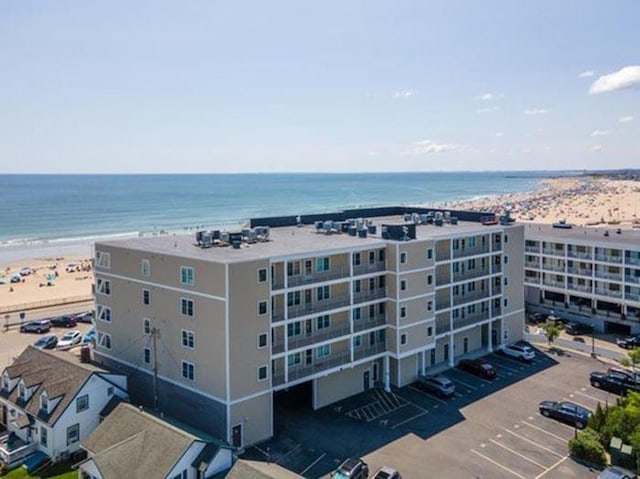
(489, 429)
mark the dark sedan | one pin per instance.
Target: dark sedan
(64, 322)
(576, 329)
(565, 411)
(479, 367)
(629, 342)
(615, 382)
(48, 341)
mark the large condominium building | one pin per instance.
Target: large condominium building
(590, 275)
(215, 324)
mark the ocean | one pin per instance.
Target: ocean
(46, 209)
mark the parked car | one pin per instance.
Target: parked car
(66, 321)
(39, 327)
(537, 318)
(479, 367)
(565, 411)
(352, 468)
(439, 385)
(615, 472)
(386, 473)
(90, 336)
(552, 318)
(615, 382)
(633, 376)
(15, 278)
(25, 271)
(86, 317)
(48, 341)
(578, 328)
(518, 351)
(628, 342)
(70, 339)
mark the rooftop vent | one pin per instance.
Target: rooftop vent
(562, 224)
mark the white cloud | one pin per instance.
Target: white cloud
(626, 77)
(596, 148)
(486, 97)
(427, 147)
(601, 132)
(536, 111)
(587, 74)
(402, 94)
(487, 110)
(499, 134)
(626, 119)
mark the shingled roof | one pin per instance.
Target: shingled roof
(58, 373)
(244, 469)
(134, 443)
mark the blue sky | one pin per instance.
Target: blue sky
(212, 86)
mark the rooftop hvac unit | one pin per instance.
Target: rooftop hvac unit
(406, 217)
(262, 233)
(207, 240)
(215, 234)
(318, 225)
(199, 236)
(453, 220)
(401, 232)
(224, 237)
(353, 230)
(362, 233)
(372, 229)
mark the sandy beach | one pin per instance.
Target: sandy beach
(581, 201)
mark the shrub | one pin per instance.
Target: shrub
(586, 445)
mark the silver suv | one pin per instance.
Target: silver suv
(352, 468)
(519, 351)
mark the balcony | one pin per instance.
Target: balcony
(532, 249)
(370, 295)
(532, 264)
(470, 274)
(612, 293)
(301, 371)
(553, 267)
(469, 297)
(632, 279)
(579, 271)
(443, 325)
(365, 352)
(301, 340)
(364, 324)
(609, 275)
(469, 320)
(608, 258)
(463, 253)
(553, 282)
(632, 296)
(553, 251)
(315, 307)
(632, 260)
(14, 450)
(578, 254)
(579, 287)
(375, 267)
(313, 277)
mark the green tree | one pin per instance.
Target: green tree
(634, 355)
(552, 330)
(599, 418)
(586, 445)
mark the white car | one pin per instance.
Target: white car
(70, 339)
(519, 351)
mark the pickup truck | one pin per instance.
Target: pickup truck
(613, 382)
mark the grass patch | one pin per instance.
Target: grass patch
(62, 470)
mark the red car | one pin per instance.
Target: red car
(479, 367)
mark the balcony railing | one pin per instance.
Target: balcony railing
(315, 307)
(609, 275)
(579, 271)
(314, 277)
(579, 287)
(608, 258)
(553, 267)
(364, 324)
(470, 319)
(300, 371)
(369, 295)
(612, 293)
(443, 325)
(578, 254)
(470, 274)
(553, 251)
(632, 279)
(375, 267)
(532, 249)
(365, 352)
(632, 296)
(469, 297)
(632, 260)
(462, 253)
(532, 264)
(553, 282)
(301, 340)
(14, 450)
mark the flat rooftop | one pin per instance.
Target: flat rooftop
(617, 237)
(293, 240)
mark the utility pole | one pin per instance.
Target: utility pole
(154, 335)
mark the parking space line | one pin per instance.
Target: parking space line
(570, 399)
(313, 463)
(498, 365)
(518, 454)
(410, 419)
(463, 383)
(544, 431)
(496, 463)
(509, 360)
(534, 443)
(477, 377)
(587, 396)
(551, 468)
(430, 396)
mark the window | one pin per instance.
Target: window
(294, 359)
(183, 475)
(381, 308)
(104, 313)
(403, 285)
(294, 329)
(403, 339)
(430, 305)
(429, 279)
(262, 275)
(381, 335)
(429, 331)
(188, 370)
(262, 308)
(145, 268)
(372, 284)
(430, 253)
(381, 255)
(323, 351)
(44, 438)
(323, 264)
(104, 340)
(82, 403)
(187, 275)
(323, 292)
(263, 373)
(293, 268)
(146, 297)
(356, 259)
(372, 257)
(293, 298)
(188, 339)
(471, 264)
(506, 259)
(262, 340)
(357, 286)
(186, 307)
(472, 242)
(403, 312)
(506, 238)
(73, 434)
(357, 341)
(506, 281)
(103, 260)
(146, 325)
(403, 258)
(44, 402)
(146, 355)
(103, 286)
(323, 322)
(372, 311)
(471, 287)
(110, 391)
(22, 391)
(506, 302)
(456, 290)
(456, 244)
(381, 281)
(357, 314)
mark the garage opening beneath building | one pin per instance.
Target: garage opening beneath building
(291, 403)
